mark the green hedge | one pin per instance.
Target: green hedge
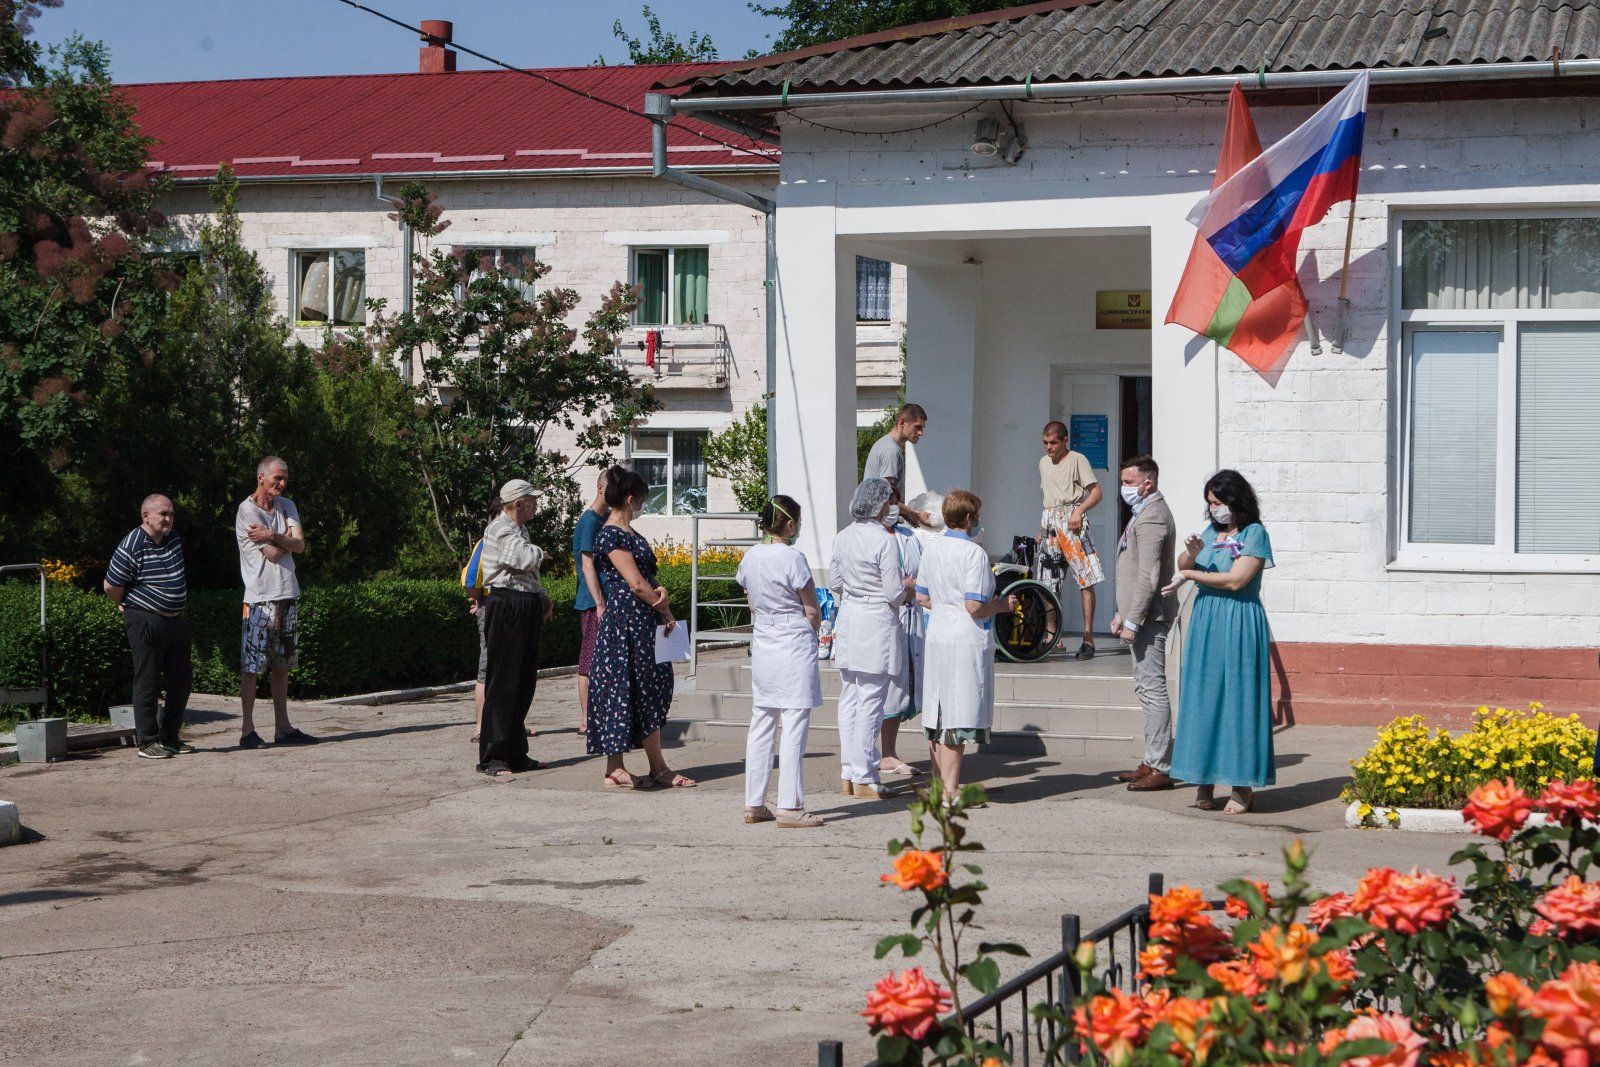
(354, 638)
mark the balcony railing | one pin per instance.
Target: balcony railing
(689, 356)
(878, 361)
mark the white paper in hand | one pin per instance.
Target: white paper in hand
(673, 646)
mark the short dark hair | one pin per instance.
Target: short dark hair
(1145, 465)
(623, 485)
(777, 511)
(959, 507)
(1055, 428)
(1230, 487)
(913, 412)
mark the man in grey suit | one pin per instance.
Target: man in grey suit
(1144, 568)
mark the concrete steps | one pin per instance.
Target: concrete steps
(1039, 709)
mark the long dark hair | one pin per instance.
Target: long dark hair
(1230, 487)
(623, 485)
(777, 511)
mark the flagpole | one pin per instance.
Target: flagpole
(1344, 274)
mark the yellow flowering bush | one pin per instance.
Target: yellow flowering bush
(59, 570)
(671, 553)
(1412, 765)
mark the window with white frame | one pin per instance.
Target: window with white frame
(1501, 377)
(516, 261)
(872, 290)
(673, 465)
(673, 285)
(330, 287)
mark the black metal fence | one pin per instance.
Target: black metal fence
(1006, 1015)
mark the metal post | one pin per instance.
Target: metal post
(694, 594)
(1158, 883)
(830, 1054)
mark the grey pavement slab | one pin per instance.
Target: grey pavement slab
(373, 900)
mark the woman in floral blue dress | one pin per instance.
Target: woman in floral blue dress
(629, 692)
(1225, 697)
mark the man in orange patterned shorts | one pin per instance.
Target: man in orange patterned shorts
(1070, 491)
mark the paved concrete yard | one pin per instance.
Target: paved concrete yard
(374, 901)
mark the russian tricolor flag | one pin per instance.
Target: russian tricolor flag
(1253, 220)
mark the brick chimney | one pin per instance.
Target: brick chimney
(434, 57)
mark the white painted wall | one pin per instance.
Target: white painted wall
(1316, 441)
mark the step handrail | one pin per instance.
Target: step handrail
(695, 544)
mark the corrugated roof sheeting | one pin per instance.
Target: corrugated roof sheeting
(1157, 38)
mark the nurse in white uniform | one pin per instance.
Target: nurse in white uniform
(901, 704)
(868, 645)
(784, 682)
(956, 585)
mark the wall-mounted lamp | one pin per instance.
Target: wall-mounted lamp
(986, 139)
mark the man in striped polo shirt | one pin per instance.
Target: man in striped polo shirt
(146, 579)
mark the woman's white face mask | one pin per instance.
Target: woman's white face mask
(1222, 515)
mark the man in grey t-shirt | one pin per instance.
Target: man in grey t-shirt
(267, 527)
(887, 459)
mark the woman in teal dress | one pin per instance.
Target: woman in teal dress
(1225, 697)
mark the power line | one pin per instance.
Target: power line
(886, 133)
(767, 156)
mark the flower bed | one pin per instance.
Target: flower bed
(1413, 766)
(1413, 968)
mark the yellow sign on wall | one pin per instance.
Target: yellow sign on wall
(1122, 309)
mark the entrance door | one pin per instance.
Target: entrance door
(1108, 420)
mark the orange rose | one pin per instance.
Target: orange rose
(906, 1004)
(1573, 907)
(1284, 955)
(1190, 1021)
(1236, 908)
(1498, 809)
(914, 869)
(1570, 1008)
(1571, 802)
(1326, 909)
(1395, 1029)
(1506, 992)
(1405, 903)
(1199, 940)
(1157, 961)
(1339, 965)
(1116, 1022)
(1181, 904)
(1238, 977)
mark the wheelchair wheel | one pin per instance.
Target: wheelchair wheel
(1029, 633)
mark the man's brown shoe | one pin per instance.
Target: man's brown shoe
(1138, 774)
(1151, 782)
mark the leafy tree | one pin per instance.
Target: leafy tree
(80, 303)
(501, 379)
(739, 454)
(662, 46)
(819, 21)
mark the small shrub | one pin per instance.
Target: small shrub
(89, 667)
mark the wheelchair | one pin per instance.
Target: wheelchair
(1032, 630)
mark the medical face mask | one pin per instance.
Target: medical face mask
(1222, 515)
(1130, 495)
(892, 519)
(976, 533)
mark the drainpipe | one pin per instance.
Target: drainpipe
(406, 242)
(658, 106)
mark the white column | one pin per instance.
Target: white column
(941, 368)
(815, 392)
(1184, 384)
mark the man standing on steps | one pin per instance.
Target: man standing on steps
(1070, 491)
(887, 459)
(1144, 568)
(267, 527)
(146, 579)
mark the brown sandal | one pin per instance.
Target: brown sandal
(668, 778)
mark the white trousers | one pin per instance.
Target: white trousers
(861, 702)
(791, 756)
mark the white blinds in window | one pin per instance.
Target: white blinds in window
(1558, 438)
(1453, 418)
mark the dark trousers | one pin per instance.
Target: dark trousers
(160, 652)
(511, 637)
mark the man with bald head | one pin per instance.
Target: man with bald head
(267, 527)
(146, 578)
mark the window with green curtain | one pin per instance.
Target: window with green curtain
(689, 284)
(650, 275)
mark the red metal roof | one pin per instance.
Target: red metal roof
(465, 121)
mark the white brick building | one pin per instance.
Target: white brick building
(519, 165)
(1430, 474)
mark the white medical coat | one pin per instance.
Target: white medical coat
(783, 647)
(866, 576)
(957, 684)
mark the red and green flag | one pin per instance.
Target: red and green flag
(1211, 299)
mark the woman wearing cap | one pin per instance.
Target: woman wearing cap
(784, 683)
(629, 692)
(868, 645)
(515, 608)
(956, 585)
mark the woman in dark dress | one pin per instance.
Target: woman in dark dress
(629, 692)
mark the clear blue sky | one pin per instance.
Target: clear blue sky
(194, 40)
